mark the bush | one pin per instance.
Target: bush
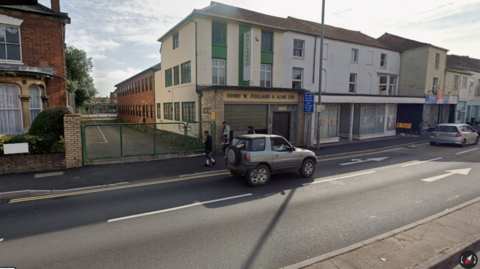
(36, 144)
(49, 123)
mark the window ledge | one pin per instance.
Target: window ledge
(354, 62)
(11, 62)
(298, 58)
(219, 45)
(383, 67)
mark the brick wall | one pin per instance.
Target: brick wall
(43, 46)
(137, 99)
(73, 140)
(214, 100)
(31, 163)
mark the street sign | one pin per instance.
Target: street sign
(308, 102)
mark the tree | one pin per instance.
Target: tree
(79, 80)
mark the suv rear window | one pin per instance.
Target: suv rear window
(447, 129)
(257, 144)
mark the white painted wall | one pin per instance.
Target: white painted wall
(337, 65)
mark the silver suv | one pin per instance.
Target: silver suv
(258, 156)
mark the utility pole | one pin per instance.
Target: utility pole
(321, 71)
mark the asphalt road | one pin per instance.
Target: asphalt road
(218, 222)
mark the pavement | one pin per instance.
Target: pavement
(434, 242)
(371, 214)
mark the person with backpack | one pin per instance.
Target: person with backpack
(208, 149)
(251, 130)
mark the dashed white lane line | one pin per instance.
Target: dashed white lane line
(101, 133)
(1, 239)
(336, 178)
(180, 207)
(204, 173)
(465, 151)
(415, 163)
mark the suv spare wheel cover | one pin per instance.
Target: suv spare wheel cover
(233, 155)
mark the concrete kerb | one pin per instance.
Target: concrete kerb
(441, 258)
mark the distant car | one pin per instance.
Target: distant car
(460, 134)
(257, 156)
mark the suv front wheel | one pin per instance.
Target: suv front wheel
(258, 176)
(308, 168)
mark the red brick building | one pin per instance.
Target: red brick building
(114, 97)
(136, 96)
(32, 63)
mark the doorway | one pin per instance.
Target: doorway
(281, 124)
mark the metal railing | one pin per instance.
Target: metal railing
(118, 140)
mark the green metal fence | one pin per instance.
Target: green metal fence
(117, 140)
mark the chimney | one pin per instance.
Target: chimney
(55, 5)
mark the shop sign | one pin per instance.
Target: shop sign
(260, 97)
(430, 99)
(247, 56)
(308, 101)
(282, 108)
(440, 97)
(213, 115)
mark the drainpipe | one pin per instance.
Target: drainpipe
(200, 95)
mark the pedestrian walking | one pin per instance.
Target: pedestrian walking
(208, 149)
(226, 130)
(251, 130)
(225, 144)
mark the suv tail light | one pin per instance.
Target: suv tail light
(458, 134)
(247, 157)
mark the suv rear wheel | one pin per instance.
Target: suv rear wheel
(258, 176)
(234, 155)
(308, 168)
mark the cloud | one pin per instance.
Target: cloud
(153, 56)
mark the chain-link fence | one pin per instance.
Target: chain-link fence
(116, 140)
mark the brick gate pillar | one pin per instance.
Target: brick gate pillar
(73, 140)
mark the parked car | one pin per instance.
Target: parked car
(460, 134)
(257, 156)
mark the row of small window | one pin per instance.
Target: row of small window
(186, 76)
(387, 85)
(355, 56)
(219, 76)
(136, 87)
(456, 81)
(171, 111)
(144, 111)
(219, 37)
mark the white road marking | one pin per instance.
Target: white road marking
(1, 239)
(410, 164)
(203, 173)
(355, 161)
(49, 174)
(465, 151)
(332, 179)
(449, 173)
(101, 133)
(180, 207)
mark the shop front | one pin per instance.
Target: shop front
(268, 111)
(358, 117)
(439, 109)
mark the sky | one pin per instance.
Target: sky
(121, 35)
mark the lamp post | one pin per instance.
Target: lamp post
(321, 72)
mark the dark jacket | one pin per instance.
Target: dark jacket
(208, 143)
